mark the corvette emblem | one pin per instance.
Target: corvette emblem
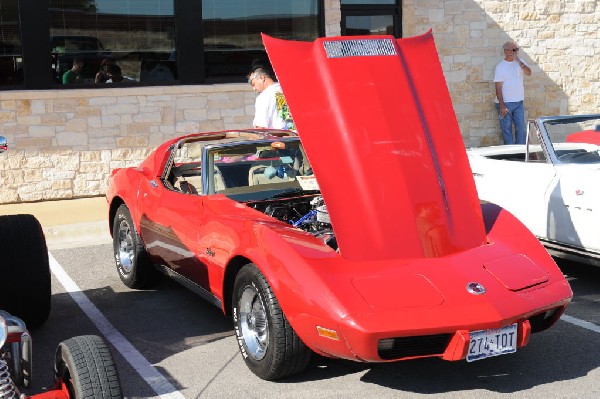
(475, 288)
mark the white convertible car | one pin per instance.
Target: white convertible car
(552, 183)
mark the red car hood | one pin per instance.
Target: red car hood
(377, 123)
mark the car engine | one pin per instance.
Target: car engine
(308, 213)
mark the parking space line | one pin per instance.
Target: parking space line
(581, 323)
(161, 386)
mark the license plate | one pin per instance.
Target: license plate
(488, 343)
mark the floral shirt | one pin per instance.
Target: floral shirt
(272, 110)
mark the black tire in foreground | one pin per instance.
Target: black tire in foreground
(25, 289)
(86, 368)
(131, 259)
(267, 341)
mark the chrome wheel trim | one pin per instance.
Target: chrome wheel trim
(125, 242)
(254, 323)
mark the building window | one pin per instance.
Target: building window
(117, 40)
(143, 42)
(374, 17)
(232, 30)
(11, 57)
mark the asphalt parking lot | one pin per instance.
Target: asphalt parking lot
(169, 343)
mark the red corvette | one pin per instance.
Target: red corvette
(362, 238)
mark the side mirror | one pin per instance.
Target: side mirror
(3, 145)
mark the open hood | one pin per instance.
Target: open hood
(377, 123)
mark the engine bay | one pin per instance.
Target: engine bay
(307, 212)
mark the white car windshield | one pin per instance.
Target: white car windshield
(575, 139)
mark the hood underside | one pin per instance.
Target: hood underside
(377, 123)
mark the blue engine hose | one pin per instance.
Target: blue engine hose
(304, 218)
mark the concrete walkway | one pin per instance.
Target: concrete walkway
(68, 223)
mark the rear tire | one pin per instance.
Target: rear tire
(267, 341)
(85, 367)
(131, 259)
(25, 288)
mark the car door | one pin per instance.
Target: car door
(576, 199)
(169, 227)
(170, 222)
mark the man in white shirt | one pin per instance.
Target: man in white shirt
(510, 93)
(271, 109)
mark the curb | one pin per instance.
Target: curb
(77, 235)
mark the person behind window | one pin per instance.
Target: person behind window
(114, 74)
(73, 75)
(271, 109)
(102, 76)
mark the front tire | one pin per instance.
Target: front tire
(85, 367)
(267, 341)
(131, 259)
(25, 289)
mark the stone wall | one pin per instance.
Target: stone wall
(64, 143)
(559, 39)
(333, 16)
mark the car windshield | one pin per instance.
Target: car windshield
(260, 170)
(575, 139)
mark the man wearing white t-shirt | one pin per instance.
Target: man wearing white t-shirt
(271, 110)
(510, 93)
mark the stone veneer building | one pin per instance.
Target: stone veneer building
(64, 143)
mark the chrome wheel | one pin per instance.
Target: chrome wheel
(254, 323)
(131, 259)
(270, 347)
(126, 246)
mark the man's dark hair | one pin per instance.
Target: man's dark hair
(262, 66)
(114, 69)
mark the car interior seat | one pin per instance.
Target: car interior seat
(219, 181)
(190, 184)
(185, 187)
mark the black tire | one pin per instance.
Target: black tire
(131, 259)
(86, 368)
(268, 343)
(25, 289)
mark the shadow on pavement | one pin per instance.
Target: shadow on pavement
(169, 320)
(158, 323)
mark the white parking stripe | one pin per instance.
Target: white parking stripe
(161, 386)
(581, 323)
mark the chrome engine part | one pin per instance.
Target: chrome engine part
(8, 389)
(15, 356)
